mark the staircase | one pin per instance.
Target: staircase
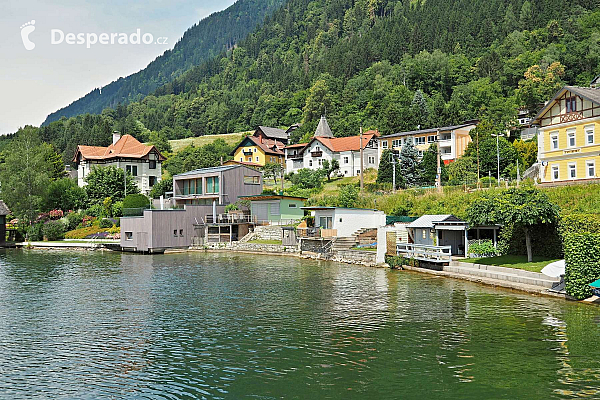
(526, 278)
(344, 243)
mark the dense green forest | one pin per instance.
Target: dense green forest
(208, 38)
(385, 64)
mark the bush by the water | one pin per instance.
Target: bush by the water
(73, 220)
(482, 248)
(83, 233)
(582, 257)
(53, 230)
(34, 232)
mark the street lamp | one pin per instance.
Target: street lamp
(498, 153)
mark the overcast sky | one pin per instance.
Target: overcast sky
(38, 82)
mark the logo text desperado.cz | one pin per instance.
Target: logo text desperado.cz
(57, 36)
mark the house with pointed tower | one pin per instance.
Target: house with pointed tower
(568, 147)
(325, 146)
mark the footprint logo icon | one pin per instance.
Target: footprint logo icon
(26, 29)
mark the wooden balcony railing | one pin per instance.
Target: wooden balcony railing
(572, 116)
(316, 154)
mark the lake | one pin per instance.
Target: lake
(195, 325)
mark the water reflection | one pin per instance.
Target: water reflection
(106, 325)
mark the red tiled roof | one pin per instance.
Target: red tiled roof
(126, 147)
(346, 143)
(294, 146)
(269, 146)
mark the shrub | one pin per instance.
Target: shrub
(96, 210)
(53, 230)
(545, 241)
(106, 223)
(488, 181)
(117, 209)
(348, 196)
(308, 179)
(73, 220)
(483, 248)
(34, 232)
(579, 223)
(582, 257)
(231, 207)
(118, 223)
(56, 214)
(136, 201)
(83, 233)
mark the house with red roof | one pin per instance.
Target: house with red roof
(143, 162)
(324, 146)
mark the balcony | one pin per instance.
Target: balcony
(247, 152)
(572, 116)
(316, 154)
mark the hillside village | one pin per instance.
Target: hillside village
(343, 197)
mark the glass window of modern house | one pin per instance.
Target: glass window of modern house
(572, 171)
(325, 222)
(554, 139)
(181, 232)
(571, 139)
(589, 135)
(591, 169)
(152, 164)
(175, 232)
(555, 172)
(128, 235)
(251, 180)
(571, 104)
(212, 185)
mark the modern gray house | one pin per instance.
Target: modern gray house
(200, 197)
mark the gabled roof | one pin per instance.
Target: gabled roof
(428, 221)
(126, 147)
(588, 93)
(269, 146)
(430, 130)
(350, 143)
(323, 129)
(273, 133)
(296, 146)
(4, 211)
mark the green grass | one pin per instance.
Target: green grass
(365, 248)
(510, 261)
(230, 138)
(265, 242)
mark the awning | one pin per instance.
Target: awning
(554, 269)
(595, 284)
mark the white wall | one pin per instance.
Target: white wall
(142, 180)
(349, 221)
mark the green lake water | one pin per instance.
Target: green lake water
(108, 325)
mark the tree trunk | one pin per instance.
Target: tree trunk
(528, 245)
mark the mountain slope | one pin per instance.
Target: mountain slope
(212, 35)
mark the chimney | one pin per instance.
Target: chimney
(116, 137)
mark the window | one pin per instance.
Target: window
(570, 138)
(212, 185)
(590, 167)
(358, 172)
(384, 144)
(132, 169)
(152, 164)
(151, 181)
(310, 163)
(181, 233)
(251, 180)
(431, 139)
(572, 170)
(424, 233)
(589, 135)
(346, 159)
(254, 149)
(320, 161)
(420, 153)
(175, 232)
(571, 104)
(397, 143)
(249, 159)
(371, 160)
(554, 141)
(128, 235)
(292, 205)
(241, 159)
(257, 159)
(325, 222)
(420, 140)
(555, 172)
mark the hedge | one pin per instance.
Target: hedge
(582, 257)
(545, 241)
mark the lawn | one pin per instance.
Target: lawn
(510, 261)
(230, 138)
(265, 242)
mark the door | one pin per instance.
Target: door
(142, 241)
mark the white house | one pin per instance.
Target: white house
(141, 161)
(323, 146)
(346, 222)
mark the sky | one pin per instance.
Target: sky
(37, 82)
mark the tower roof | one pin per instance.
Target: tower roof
(323, 130)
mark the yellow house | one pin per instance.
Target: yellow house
(568, 147)
(259, 149)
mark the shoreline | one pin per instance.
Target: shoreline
(490, 282)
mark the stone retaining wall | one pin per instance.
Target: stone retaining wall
(252, 247)
(265, 233)
(367, 258)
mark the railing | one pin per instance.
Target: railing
(423, 252)
(230, 219)
(316, 154)
(572, 116)
(308, 232)
(328, 233)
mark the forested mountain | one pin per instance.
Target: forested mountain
(385, 64)
(210, 37)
